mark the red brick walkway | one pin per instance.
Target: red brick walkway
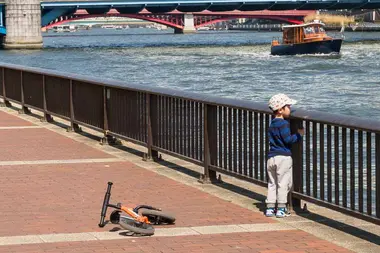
(273, 242)
(66, 198)
(42, 144)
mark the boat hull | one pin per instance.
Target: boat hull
(316, 47)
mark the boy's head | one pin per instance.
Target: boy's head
(280, 105)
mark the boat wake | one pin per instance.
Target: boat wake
(323, 56)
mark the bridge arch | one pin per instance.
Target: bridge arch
(274, 18)
(175, 20)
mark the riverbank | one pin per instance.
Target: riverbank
(365, 27)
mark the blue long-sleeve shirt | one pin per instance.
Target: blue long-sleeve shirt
(280, 138)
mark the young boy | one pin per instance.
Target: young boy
(280, 161)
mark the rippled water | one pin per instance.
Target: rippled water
(229, 64)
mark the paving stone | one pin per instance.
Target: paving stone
(219, 229)
(77, 237)
(16, 240)
(8, 120)
(275, 242)
(266, 227)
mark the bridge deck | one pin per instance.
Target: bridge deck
(216, 5)
(53, 185)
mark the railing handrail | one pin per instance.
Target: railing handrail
(352, 122)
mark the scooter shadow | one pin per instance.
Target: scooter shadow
(132, 234)
(126, 233)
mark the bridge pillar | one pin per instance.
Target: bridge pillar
(188, 24)
(23, 24)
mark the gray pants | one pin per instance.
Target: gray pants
(280, 180)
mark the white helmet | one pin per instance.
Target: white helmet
(280, 100)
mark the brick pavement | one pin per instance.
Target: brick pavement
(66, 198)
(42, 144)
(8, 120)
(273, 242)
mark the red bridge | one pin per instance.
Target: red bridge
(185, 22)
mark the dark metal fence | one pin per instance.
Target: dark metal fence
(337, 165)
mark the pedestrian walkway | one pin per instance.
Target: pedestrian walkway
(53, 183)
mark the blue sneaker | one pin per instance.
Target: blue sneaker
(282, 212)
(269, 212)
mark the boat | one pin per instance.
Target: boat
(108, 26)
(64, 28)
(307, 38)
(203, 28)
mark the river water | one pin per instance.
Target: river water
(233, 64)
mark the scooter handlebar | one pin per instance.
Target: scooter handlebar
(105, 205)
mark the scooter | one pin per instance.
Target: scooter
(130, 219)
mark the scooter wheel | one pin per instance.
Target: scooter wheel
(136, 227)
(115, 217)
(158, 217)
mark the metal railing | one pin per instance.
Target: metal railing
(337, 165)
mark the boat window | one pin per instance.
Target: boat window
(319, 29)
(309, 30)
(289, 36)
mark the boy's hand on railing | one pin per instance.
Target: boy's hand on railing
(301, 131)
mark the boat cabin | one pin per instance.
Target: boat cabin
(309, 32)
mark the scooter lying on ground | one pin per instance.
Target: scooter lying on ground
(133, 221)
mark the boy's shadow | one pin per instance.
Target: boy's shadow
(261, 206)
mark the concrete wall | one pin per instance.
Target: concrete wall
(23, 22)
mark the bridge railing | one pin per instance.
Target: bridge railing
(337, 165)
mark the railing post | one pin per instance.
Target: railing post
(297, 155)
(104, 140)
(377, 151)
(5, 101)
(105, 110)
(107, 139)
(209, 131)
(73, 126)
(151, 104)
(47, 117)
(24, 109)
